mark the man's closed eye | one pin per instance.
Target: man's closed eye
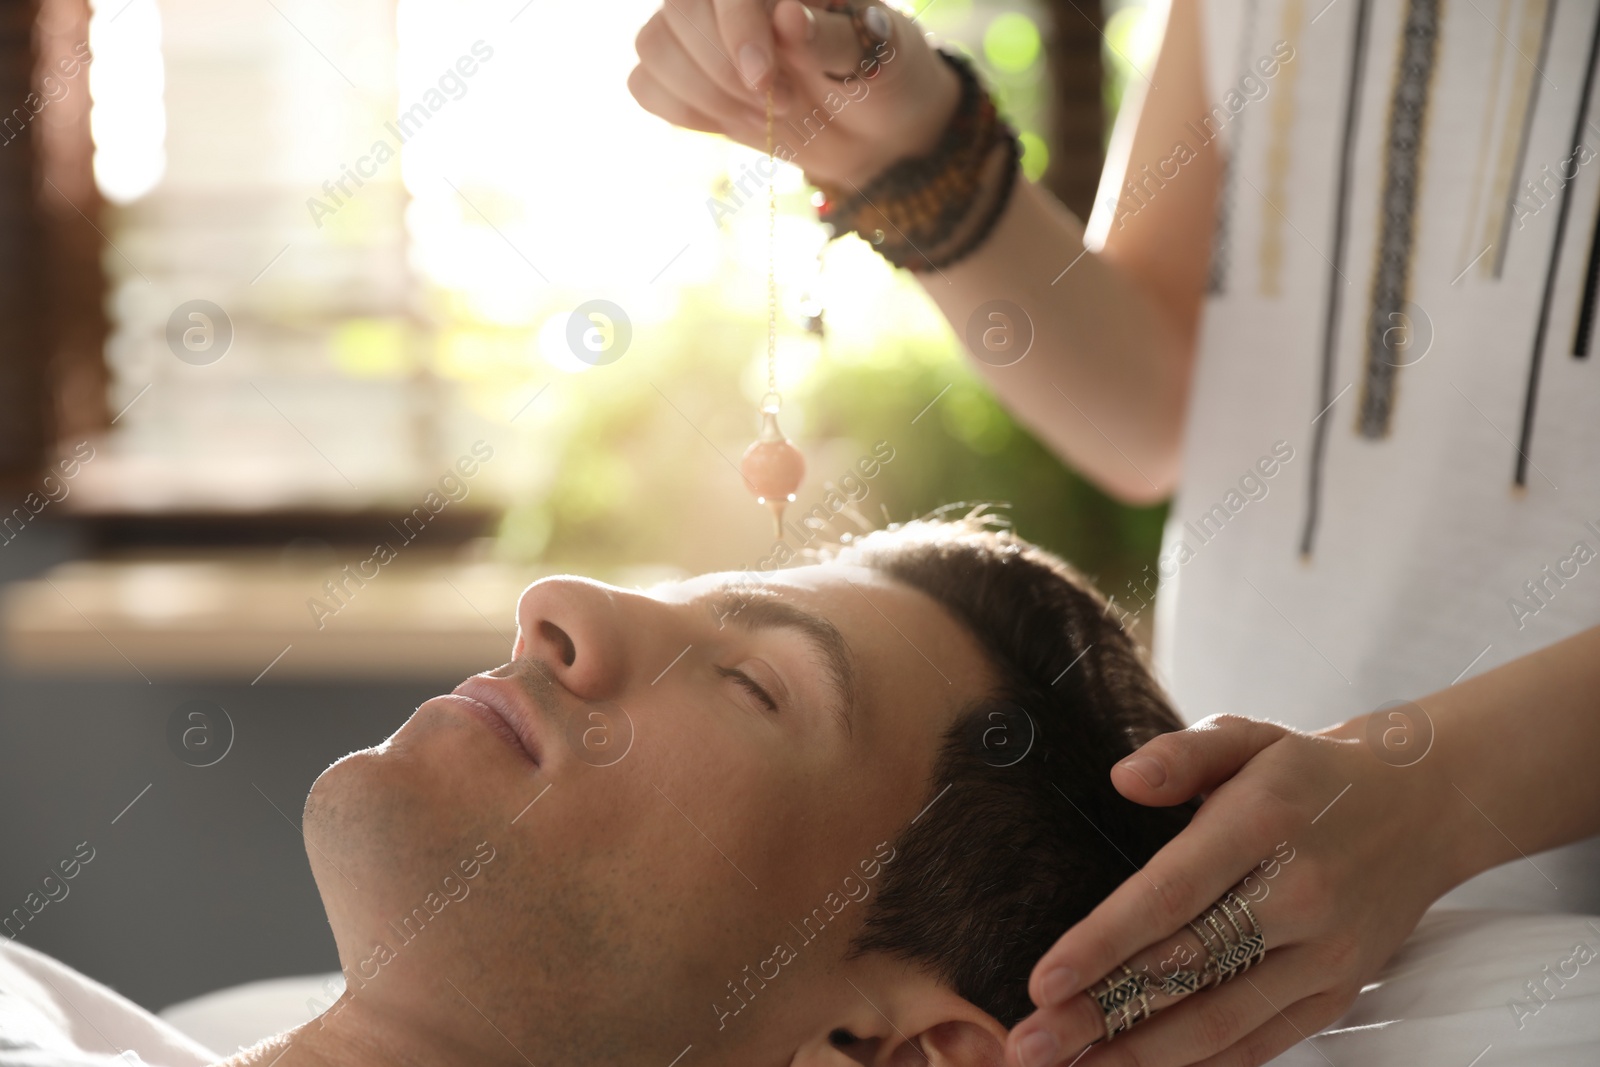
(750, 686)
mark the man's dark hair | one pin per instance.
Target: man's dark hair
(1024, 834)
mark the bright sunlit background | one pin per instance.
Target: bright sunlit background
(388, 312)
(339, 242)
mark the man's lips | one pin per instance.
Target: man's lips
(505, 701)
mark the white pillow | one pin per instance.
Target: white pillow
(1509, 987)
(239, 1016)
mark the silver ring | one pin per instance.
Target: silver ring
(1205, 938)
(1222, 902)
(1180, 982)
(1249, 950)
(1222, 935)
(1116, 1003)
(1225, 957)
(1244, 905)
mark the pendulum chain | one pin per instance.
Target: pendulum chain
(772, 261)
(772, 467)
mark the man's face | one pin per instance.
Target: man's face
(676, 861)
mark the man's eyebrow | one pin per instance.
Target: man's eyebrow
(763, 610)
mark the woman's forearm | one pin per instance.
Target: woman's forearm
(1105, 381)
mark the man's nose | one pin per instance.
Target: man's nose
(578, 629)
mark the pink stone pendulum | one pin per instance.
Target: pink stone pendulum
(772, 467)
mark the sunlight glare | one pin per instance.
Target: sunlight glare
(128, 119)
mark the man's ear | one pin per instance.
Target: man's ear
(901, 1017)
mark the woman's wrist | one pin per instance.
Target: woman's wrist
(926, 212)
(1456, 739)
(1520, 741)
(1500, 758)
(1403, 750)
(928, 108)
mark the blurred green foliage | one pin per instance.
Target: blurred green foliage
(966, 447)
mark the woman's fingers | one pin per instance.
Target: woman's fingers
(1174, 968)
(815, 42)
(1056, 1035)
(1215, 1019)
(820, 71)
(694, 23)
(658, 100)
(747, 37)
(1287, 1028)
(1174, 767)
(664, 57)
(1212, 854)
(1077, 1022)
(1209, 857)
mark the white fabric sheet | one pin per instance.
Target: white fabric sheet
(1478, 988)
(53, 1016)
(1506, 987)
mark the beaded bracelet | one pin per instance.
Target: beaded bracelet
(926, 213)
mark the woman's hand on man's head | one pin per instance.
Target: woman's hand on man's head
(1336, 848)
(844, 113)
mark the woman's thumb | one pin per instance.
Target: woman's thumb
(819, 42)
(1177, 766)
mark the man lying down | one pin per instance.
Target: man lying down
(837, 812)
(832, 817)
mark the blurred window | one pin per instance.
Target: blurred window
(346, 240)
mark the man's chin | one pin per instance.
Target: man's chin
(346, 804)
(339, 796)
(379, 821)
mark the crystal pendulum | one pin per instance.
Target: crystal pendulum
(772, 467)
